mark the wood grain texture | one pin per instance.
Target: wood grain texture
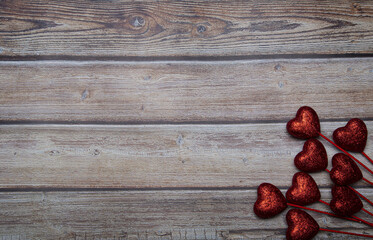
(199, 92)
(152, 215)
(154, 156)
(184, 28)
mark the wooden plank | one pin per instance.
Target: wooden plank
(153, 156)
(152, 215)
(235, 91)
(184, 28)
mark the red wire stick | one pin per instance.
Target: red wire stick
(361, 220)
(327, 139)
(371, 214)
(367, 157)
(366, 180)
(349, 233)
(327, 213)
(324, 202)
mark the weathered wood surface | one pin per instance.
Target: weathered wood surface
(229, 91)
(152, 215)
(184, 28)
(197, 180)
(154, 156)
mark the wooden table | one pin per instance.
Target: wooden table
(158, 119)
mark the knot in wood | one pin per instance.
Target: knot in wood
(278, 67)
(201, 28)
(137, 21)
(84, 94)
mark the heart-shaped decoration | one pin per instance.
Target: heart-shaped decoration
(345, 202)
(352, 137)
(303, 190)
(305, 125)
(345, 171)
(301, 225)
(270, 201)
(313, 158)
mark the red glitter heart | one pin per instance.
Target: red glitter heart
(301, 225)
(305, 125)
(313, 158)
(304, 190)
(352, 137)
(270, 201)
(345, 202)
(344, 171)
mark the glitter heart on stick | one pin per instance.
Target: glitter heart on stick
(312, 158)
(306, 124)
(304, 190)
(302, 226)
(270, 201)
(344, 171)
(344, 201)
(352, 137)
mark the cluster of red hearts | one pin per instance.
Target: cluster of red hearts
(304, 190)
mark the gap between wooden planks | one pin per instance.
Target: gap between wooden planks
(154, 156)
(184, 28)
(151, 215)
(184, 92)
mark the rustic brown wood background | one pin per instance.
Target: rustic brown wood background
(158, 119)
